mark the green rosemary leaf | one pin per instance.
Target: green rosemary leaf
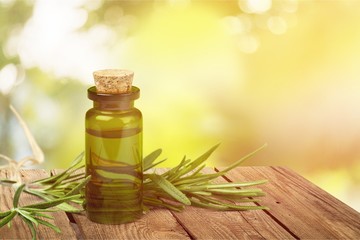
(200, 160)
(154, 165)
(235, 191)
(240, 194)
(244, 208)
(192, 188)
(53, 203)
(151, 200)
(8, 218)
(45, 223)
(39, 194)
(197, 172)
(170, 174)
(78, 201)
(149, 159)
(68, 208)
(226, 206)
(17, 195)
(48, 180)
(38, 214)
(198, 203)
(173, 176)
(189, 179)
(157, 194)
(74, 178)
(65, 176)
(79, 186)
(31, 227)
(235, 184)
(169, 188)
(63, 206)
(28, 216)
(173, 207)
(202, 193)
(209, 199)
(238, 162)
(112, 175)
(235, 198)
(4, 214)
(7, 181)
(38, 210)
(54, 178)
(158, 203)
(198, 180)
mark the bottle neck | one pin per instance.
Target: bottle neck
(113, 105)
(113, 102)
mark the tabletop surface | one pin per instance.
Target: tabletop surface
(298, 210)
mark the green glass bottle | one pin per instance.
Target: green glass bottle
(114, 158)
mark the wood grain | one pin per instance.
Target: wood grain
(157, 224)
(229, 224)
(19, 230)
(307, 211)
(298, 210)
(258, 219)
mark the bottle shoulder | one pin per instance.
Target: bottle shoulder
(133, 112)
(99, 119)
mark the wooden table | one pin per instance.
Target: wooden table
(298, 210)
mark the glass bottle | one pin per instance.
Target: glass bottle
(114, 158)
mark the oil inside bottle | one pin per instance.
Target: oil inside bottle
(114, 193)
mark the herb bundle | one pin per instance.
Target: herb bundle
(173, 189)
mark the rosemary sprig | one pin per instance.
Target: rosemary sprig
(187, 185)
(174, 189)
(34, 214)
(62, 185)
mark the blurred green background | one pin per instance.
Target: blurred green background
(242, 73)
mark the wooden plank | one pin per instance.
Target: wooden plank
(209, 224)
(157, 224)
(259, 220)
(303, 208)
(19, 230)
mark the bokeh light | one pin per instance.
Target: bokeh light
(255, 6)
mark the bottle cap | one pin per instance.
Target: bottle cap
(113, 81)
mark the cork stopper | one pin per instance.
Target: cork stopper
(114, 81)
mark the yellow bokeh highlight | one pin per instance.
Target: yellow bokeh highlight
(185, 62)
